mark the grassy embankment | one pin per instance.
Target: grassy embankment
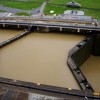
(2, 11)
(20, 5)
(94, 5)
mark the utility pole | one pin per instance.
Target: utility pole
(30, 23)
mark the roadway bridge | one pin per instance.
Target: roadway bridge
(48, 22)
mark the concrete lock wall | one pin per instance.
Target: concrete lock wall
(77, 56)
(96, 51)
(84, 51)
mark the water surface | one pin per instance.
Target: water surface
(40, 58)
(6, 34)
(91, 70)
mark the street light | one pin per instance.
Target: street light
(30, 14)
(30, 19)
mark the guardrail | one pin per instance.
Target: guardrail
(8, 24)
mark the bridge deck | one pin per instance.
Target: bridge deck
(50, 21)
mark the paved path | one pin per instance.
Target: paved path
(38, 11)
(41, 10)
(15, 10)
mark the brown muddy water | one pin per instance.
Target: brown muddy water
(6, 34)
(39, 58)
(91, 70)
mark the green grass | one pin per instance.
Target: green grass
(23, 14)
(37, 0)
(2, 11)
(58, 9)
(84, 3)
(95, 14)
(20, 5)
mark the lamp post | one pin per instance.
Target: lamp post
(30, 23)
(30, 17)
